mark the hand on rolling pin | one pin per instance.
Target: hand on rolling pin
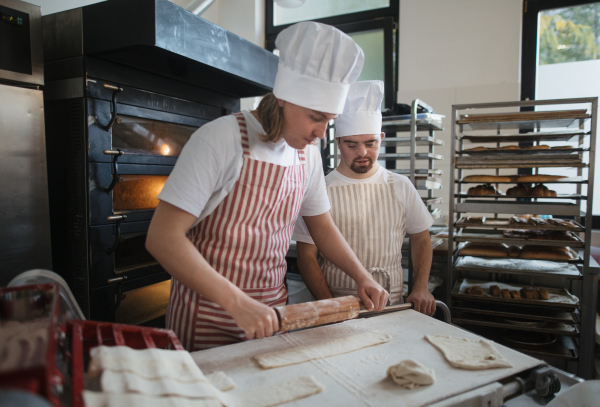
(373, 296)
(422, 300)
(255, 318)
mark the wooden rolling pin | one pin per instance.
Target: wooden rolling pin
(322, 312)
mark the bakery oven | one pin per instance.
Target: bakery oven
(117, 118)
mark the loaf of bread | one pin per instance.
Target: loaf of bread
(542, 191)
(514, 251)
(540, 147)
(515, 294)
(474, 219)
(519, 190)
(510, 148)
(554, 235)
(484, 250)
(476, 149)
(562, 222)
(483, 190)
(539, 178)
(494, 291)
(475, 290)
(533, 252)
(486, 178)
(544, 295)
(561, 147)
(530, 293)
(505, 293)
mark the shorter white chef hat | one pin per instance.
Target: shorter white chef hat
(317, 64)
(362, 111)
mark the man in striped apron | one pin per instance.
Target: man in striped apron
(226, 214)
(373, 208)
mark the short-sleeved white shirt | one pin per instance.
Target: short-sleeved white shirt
(416, 214)
(211, 163)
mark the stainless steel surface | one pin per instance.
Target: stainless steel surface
(24, 212)
(37, 58)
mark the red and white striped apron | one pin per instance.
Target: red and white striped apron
(245, 239)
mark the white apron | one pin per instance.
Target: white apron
(372, 221)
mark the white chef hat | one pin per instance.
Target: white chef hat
(317, 64)
(362, 110)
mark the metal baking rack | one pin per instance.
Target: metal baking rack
(569, 346)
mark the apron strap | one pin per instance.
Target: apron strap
(389, 178)
(244, 132)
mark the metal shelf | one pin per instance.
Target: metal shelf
(524, 165)
(406, 171)
(523, 137)
(405, 141)
(526, 124)
(407, 156)
(546, 208)
(561, 197)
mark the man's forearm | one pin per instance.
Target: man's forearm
(421, 256)
(311, 271)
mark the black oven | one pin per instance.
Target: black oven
(117, 116)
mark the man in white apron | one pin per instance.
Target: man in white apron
(373, 208)
(227, 212)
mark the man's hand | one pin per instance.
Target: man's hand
(422, 300)
(255, 318)
(374, 296)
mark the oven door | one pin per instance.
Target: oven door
(134, 195)
(118, 253)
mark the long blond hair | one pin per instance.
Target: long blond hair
(270, 115)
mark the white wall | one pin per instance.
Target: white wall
(459, 51)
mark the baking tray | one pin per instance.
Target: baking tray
(401, 123)
(427, 171)
(518, 207)
(573, 252)
(524, 137)
(571, 180)
(563, 164)
(501, 322)
(499, 238)
(528, 267)
(559, 196)
(405, 141)
(559, 297)
(503, 223)
(523, 120)
(406, 156)
(499, 152)
(519, 312)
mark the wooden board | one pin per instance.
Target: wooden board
(359, 378)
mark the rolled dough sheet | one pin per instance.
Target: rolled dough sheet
(221, 381)
(336, 347)
(148, 363)
(126, 382)
(96, 399)
(468, 354)
(281, 393)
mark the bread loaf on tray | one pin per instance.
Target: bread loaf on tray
(484, 250)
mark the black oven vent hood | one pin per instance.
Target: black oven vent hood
(160, 37)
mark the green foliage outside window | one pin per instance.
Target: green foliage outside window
(570, 34)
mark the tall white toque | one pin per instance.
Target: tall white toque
(317, 64)
(362, 111)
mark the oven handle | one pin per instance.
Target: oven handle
(113, 117)
(115, 168)
(117, 219)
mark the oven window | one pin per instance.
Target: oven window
(131, 252)
(136, 135)
(137, 192)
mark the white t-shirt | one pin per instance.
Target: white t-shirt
(416, 214)
(211, 163)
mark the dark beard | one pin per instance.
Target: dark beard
(359, 169)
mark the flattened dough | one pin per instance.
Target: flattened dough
(276, 394)
(411, 374)
(148, 363)
(221, 381)
(126, 382)
(95, 399)
(468, 354)
(331, 348)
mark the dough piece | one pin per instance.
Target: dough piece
(148, 363)
(221, 381)
(484, 250)
(486, 178)
(468, 354)
(505, 293)
(515, 294)
(543, 293)
(126, 382)
(476, 149)
(323, 350)
(540, 178)
(97, 399)
(510, 148)
(411, 374)
(276, 394)
(494, 291)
